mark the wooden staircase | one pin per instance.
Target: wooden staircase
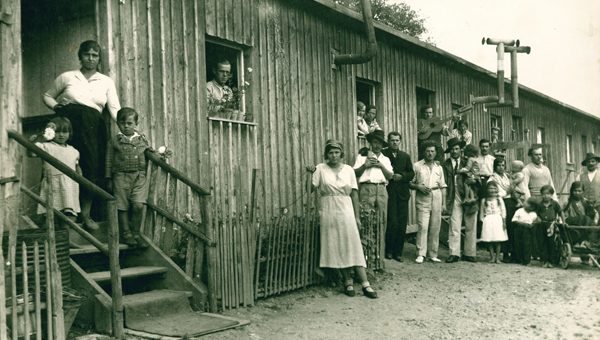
(112, 275)
(147, 275)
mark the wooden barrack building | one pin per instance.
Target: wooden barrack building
(160, 54)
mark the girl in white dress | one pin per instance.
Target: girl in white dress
(65, 191)
(493, 215)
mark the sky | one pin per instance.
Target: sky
(564, 36)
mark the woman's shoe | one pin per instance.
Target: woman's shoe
(369, 292)
(349, 290)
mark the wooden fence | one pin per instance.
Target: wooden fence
(288, 255)
(233, 156)
(289, 247)
(34, 286)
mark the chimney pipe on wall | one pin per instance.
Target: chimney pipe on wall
(371, 51)
(514, 78)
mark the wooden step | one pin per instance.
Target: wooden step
(154, 295)
(91, 249)
(128, 273)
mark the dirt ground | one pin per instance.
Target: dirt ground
(437, 301)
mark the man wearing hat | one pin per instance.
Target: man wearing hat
(590, 179)
(454, 204)
(373, 170)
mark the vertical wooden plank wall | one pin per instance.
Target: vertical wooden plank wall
(301, 101)
(159, 59)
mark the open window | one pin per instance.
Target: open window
(496, 128)
(227, 81)
(569, 149)
(540, 135)
(367, 93)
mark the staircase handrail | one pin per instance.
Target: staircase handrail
(208, 238)
(89, 237)
(189, 228)
(113, 232)
(156, 159)
(62, 167)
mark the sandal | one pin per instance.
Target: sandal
(369, 292)
(350, 290)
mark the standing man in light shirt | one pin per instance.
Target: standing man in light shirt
(373, 170)
(485, 160)
(430, 201)
(536, 175)
(590, 179)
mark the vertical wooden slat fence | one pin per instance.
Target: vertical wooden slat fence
(289, 247)
(233, 158)
(23, 308)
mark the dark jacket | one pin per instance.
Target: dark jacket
(449, 176)
(402, 165)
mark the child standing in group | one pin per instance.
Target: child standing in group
(578, 210)
(523, 223)
(517, 182)
(361, 124)
(468, 179)
(65, 191)
(126, 171)
(549, 212)
(493, 216)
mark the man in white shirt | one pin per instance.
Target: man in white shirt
(373, 170)
(430, 201)
(485, 160)
(590, 180)
(217, 91)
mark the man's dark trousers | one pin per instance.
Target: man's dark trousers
(397, 219)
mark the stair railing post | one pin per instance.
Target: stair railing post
(115, 270)
(55, 274)
(211, 255)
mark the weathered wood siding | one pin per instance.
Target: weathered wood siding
(300, 100)
(157, 60)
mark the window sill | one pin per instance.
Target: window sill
(241, 122)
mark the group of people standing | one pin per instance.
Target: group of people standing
(511, 209)
(79, 137)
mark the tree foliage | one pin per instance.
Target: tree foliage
(397, 15)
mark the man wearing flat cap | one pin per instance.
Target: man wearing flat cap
(373, 170)
(590, 179)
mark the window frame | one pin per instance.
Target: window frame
(569, 149)
(241, 53)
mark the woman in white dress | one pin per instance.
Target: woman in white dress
(341, 248)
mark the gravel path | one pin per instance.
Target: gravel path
(438, 301)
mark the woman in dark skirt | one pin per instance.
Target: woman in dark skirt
(81, 95)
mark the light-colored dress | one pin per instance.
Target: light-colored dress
(340, 240)
(65, 191)
(493, 211)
